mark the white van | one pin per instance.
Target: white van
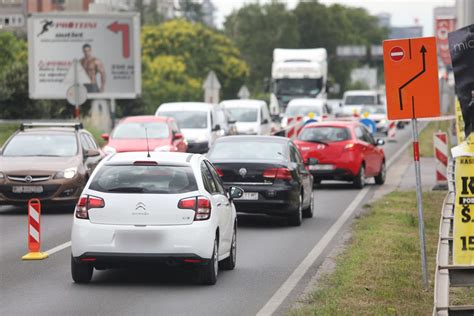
(354, 100)
(302, 107)
(251, 116)
(198, 121)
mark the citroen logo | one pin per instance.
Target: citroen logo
(28, 179)
(242, 172)
(140, 206)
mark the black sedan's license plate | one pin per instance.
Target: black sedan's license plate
(27, 189)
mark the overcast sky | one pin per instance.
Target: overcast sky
(404, 12)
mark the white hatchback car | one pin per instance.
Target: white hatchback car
(168, 207)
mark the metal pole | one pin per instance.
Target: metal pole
(419, 198)
(77, 112)
(112, 111)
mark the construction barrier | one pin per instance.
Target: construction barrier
(34, 232)
(440, 142)
(392, 131)
(294, 127)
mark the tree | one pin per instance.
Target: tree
(191, 10)
(257, 30)
(177, 56)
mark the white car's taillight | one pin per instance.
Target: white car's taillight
(201, 205)
(85, 203)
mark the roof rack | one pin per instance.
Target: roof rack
(75, 125)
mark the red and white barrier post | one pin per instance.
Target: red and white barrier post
(440, 142)
(34, 232)
(392, 131)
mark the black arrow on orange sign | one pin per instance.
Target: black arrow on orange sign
(423, 52)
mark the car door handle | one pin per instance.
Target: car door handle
(227, 204)
(219, 204)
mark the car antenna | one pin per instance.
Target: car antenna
(147, 147)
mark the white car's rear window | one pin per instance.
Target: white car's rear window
(144, 179)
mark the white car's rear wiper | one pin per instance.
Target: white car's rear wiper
(126, 189)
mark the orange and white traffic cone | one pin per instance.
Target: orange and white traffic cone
(34, 232)
(392, 131)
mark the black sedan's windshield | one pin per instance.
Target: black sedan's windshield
(48, 145)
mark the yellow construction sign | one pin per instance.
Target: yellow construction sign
(463, 232)
(459, 121)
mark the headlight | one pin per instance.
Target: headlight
(383, 122)
(109, 150)
(2, 176)
(66, 174)
(164, 148)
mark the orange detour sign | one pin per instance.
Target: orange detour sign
(411, 78)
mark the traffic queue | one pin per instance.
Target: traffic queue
(167, 188)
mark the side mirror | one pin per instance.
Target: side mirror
(216, 128)
(235, 193)
(265, 121)
(379, 142)
(91, 153)
(178, 136)
(311, 161)
(105, 136)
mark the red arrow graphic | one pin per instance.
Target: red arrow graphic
(124, 28)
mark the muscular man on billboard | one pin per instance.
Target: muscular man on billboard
(92, 66)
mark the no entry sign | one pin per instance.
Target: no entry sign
(397, 53)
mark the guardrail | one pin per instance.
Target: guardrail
(448, 275)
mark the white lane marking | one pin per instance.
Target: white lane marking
(285, 289)
(59, 248)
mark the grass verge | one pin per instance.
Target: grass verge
(426, 137)
(380, 271)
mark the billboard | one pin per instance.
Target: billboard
(107, 47)
(443, 27)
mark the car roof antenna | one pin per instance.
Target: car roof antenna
(147, 147)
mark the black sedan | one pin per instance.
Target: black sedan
(271, 172)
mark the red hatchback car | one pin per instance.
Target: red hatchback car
(129, 135)
(344, 150)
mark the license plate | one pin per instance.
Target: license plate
(321, 167)
(27, 189)
(249, 196)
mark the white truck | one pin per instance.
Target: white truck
(297, 73)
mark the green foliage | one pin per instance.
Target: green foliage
(14, 99)
(258, 29)
(177, 56)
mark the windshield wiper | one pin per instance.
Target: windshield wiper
(127, 189)
(317, 141)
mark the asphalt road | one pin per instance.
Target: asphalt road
(268, 253)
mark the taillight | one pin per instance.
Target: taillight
(350, 146)
(325, 117)
(220, 172)
(85, 203)
(277, 173)
(201, 205)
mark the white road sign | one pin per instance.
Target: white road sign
(211, 88)
(106, 45)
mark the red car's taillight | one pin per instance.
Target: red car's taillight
(277, 173)
(85, 203)
(201, 205)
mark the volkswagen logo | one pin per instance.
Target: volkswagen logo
(140, 206)
(28, 179)
(242, 172)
